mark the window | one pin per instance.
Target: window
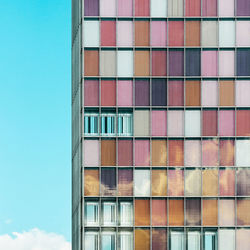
(227, 239)
(91, 214)
(125, 126)
(193, 241)
(108, 241)
(91, 124)
(108, 124)
(126, 214)
(142, 182)
(91, 241)
(126, 241)
(109, 214)
(210, 240)
(177, 240)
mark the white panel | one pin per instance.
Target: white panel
(209, 33)
(226, 33)
(142, 182)
(194, 241)
(175, 8)
(243, 153)
(91, 33)
(226, 239)
(177, 241)
(141, 123)
(159, 8)
(192, 123)
(125, 63)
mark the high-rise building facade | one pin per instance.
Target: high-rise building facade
(161, 124)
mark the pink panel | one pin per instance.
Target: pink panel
(209, 63)
(107, 7)
(125, 93)
(124, 33)
(227, 182)
(158, 33)
(91, 153)
(175, 123)
(91, 93)
(226, 123)
(192, 153)
(243, 239)
(175, 182)
(108, 33)
(159, 212)
(226, 63)
(209, 93)
(125, 7)
(176, 33)
(159, 123)
(243, 31)
(242, 93)
(210, 153)
(209, 7)
(142, 153)
(226, 7)
(226, 213)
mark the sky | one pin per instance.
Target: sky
(35, 129)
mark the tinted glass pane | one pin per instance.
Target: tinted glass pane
(108, 181)
(193, 62)
(243, 62)
(159, 92)
(125, 182)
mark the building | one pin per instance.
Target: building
(161, 124)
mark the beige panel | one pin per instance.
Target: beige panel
(108, 63)
(209, 33)
(141, 123)
(175, 8)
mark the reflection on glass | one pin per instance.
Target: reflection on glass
(125, 182)
(142, 239)
(108, 241)
(91, 182)
(210, 182)
(126, 214)
(243, 184)
(193, 182)
(193, 241)
(159, 239)
(108, 179)
(91, 213)
(159, 182)
(209, 212)
(159, 212)
(109, 213)
(126, 241)
(210, 152)
(193, 212)
(91, 241)
(176, 182)
(142, 182)
(210, 240)
(227, 182)
(177, 240)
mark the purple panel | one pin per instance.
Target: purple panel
(243, 62)
(243, 8)
(91, 7)
(193, 62)
(193, 212)
(108, 180)
(243, 184)
(125, 182)
(159, 92)
(141, 93)
(176, 62)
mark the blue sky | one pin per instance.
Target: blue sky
(35, 99)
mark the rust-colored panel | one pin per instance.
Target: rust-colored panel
(91, 182)
(176, 152)
(142, 239)
(108, 93)
(108, 153)
(243, 122)
(142, 63)
(192, 33)
(193, 7)
(159, 182)
(176, 212)
(159, 62)
(209, 122)
(159, 152)
(193, 93)
(243, 215)
(91, 63)
(108, 33)
(226, 152)
(141, 7)
(210, 182)
(210, 213)
(176, 33)
(141, 33)
(226, 93)
(175, 182)
(142, 212)
(125, 153)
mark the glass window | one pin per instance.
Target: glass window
(159, 182)
(159, 123)
(109, 213)
(142, 212)
(242, 35)
(209, 8)
(124, 93)
(192, 153)
(226, 63)
(91, 62)
(108, 63)
(242, 153)
(141, 123)
(91, 7)
(91, 182)
(210, 182)
(126, 241)
(158, 8)
(125, 63)
(209, 93)
(176, 62)
(176, 33)
(193, 93)
(192, 123)
(226, 152)
(108, 241)
(176, 153)
(91, 33)
(177, 241)
(226, 33)
(125, 124)
(124, 33)
(91, 124)
(125, 8)
(108, 124)
(175, 8)
(242, 93)
(210, 241)
(142, 152)
(193, 212)
(159, 62)
(193, 62)
(226, 212)
(108, 33)
(141, 7)
(108, 93)
(158, 33)
(91, 153)
(193, 7)
(193, 240)
(175, 122)
(91, 241)
(226, 8)
(125, 182)
(159, 92)
(209, 33)
(142, 239)
(126, 214)
(242, 239)
(209, 61)
(107, 8)
(125, 152)
(243, 215)
(91, 214)
(192, 182)
(243, 8)
(142, 182)
(243, 62)
(108, 181)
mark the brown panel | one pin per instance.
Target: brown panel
(91, 63)
(159, 152)
(125, 153)
(210, 212)
(193, 90)
(176, 153)
(159, 182)
(142, 239)
(142, 212)
(193, 33)
(176, 212)
(141, 63)
(226, 93)
(91, 182)
(108, 153)
(243, 215)
(210, 182)
(141, 33)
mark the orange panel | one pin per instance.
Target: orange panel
(159, 152)
(91, 182)
(141, 33)
(192, 33)
(176, 212)
(193, 90)
(159, 182)
(159, 212)
(210, 182)
(141, 63)
(176, 152)
(210, 213)
(91, 63)
(142, 239)
(142, 212)
(243, 215)
(226, 93)
(108, 153)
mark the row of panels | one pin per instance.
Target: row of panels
(159, 92)
(162, 63)
(162, 33)
(164, 8)
(161, 182)
(143, 152)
